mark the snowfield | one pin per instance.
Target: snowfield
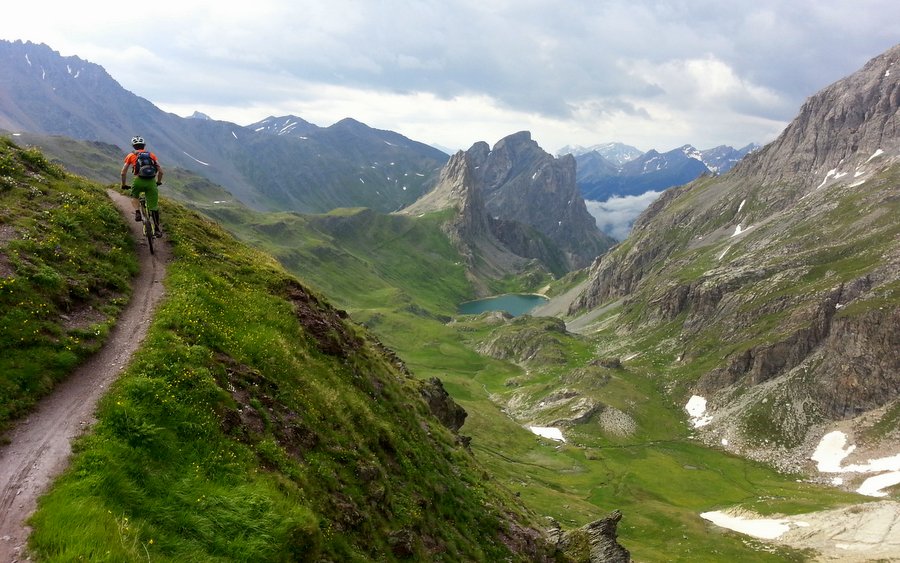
(696, 408)
(833, 449)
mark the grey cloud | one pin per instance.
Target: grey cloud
(529, 56)
(533, 56)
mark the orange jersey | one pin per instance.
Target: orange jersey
(131, 160)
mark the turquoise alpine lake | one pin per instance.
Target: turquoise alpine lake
(513, 303)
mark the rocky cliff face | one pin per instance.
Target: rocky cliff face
(469, 228)
(523, 183)
(514, 205)
(841, 127)
(781, 277)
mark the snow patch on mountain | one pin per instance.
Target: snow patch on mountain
(739, 231)
(196, 159)
(548, 432)
(877, 153)
(692, 152)
(833, 449)
(696, 408)
(763, 528)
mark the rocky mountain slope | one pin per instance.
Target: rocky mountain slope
(266, 165)
(779, 283)
(522, 182)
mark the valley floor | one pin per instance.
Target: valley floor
(861, 532)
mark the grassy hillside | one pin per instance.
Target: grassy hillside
(65, 264)
(363, 259)
(257, 423)
(649, 467)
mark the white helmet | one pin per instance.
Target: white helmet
(137, 140)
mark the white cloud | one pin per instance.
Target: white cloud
(616, 215)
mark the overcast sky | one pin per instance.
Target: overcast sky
(450, 73)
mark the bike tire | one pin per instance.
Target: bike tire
(148, 226)
(148, 230)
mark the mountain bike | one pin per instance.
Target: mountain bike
(149, 228)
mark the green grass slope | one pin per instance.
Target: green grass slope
(257, 423)
(652, 468)
(65, 264)
(360, 258)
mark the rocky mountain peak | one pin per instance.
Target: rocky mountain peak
(471, 229)
(522, 182)
(283, 125)
(515, 203)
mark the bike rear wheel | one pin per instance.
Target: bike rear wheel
(148, 225)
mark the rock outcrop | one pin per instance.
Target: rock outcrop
(593, 543)
(442, 406)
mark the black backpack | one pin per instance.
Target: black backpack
(145, 166)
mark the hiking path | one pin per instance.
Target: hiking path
(38, 446)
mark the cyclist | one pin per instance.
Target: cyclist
(148, 175)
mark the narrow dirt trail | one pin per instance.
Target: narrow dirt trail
(40, 444)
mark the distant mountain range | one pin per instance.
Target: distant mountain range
(619, 181)
(615, 153)
(280, 163)
(616, 169)
(286, 163)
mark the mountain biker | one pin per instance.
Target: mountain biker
(149, 185)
